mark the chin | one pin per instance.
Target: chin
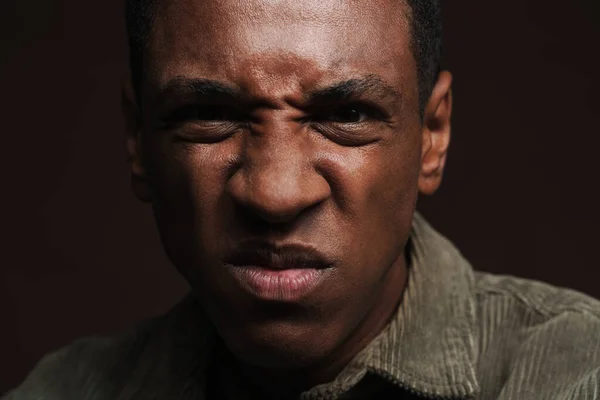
(280, 345)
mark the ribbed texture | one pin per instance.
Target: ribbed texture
(457, 334)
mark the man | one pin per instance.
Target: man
(282, 145)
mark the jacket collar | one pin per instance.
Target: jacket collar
(429, 347)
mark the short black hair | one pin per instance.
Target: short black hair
(426, 42)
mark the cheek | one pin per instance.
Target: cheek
(374, 183)
(186, 175)
(395, 192)
(396, 197)
(375, 189)
(188, 181)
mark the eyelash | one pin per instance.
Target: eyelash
(370, 113)
(190, 113)
(224, 113)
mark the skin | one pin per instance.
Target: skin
(285, 163)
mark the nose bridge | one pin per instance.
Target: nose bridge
(279, 161)
(276, 167)
(276, 135)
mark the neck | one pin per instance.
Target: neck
(382, 311)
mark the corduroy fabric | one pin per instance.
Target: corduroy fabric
(458, 334)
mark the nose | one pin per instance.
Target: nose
(276, 181)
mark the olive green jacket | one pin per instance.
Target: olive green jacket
(458, 334)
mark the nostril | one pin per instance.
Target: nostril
(259, 222)
(275, 215)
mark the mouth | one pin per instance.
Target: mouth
(285, 273)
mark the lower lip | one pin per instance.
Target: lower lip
(287, 285)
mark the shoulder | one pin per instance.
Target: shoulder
(153, 360)
(539, 297)
(539, 311)
(89, 368)
(542, 338)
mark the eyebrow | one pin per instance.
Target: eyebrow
(370, 85)
(182, 86)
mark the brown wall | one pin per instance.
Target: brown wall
(80, 256)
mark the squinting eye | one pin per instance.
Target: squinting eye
(204, 113)
(347, 115)
(350, 114)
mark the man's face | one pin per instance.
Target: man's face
(283, 146)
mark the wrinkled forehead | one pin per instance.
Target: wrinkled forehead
(304, 40)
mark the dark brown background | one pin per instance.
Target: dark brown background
(80, 256)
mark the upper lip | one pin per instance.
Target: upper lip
(277, 256)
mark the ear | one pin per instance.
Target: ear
(131, 113)
(436, 134)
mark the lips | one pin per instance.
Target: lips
(277, 273)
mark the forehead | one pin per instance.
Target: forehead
(280, 41)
